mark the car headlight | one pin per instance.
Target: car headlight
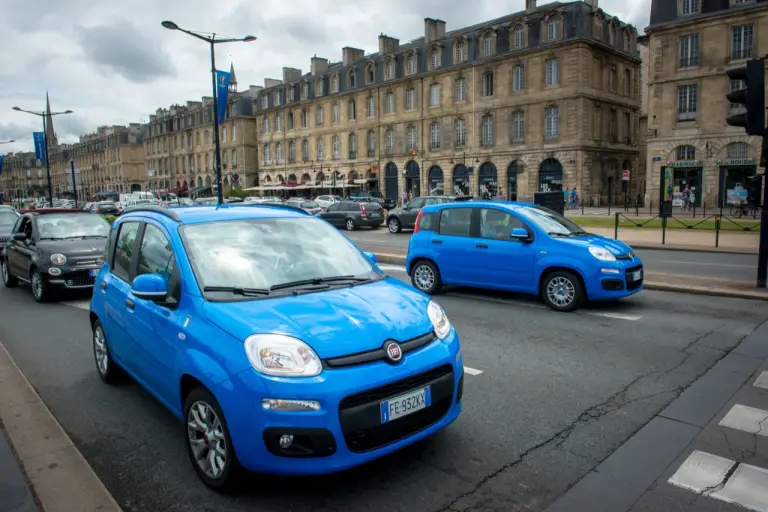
(439, 320)
(602, 254)
(58, 259)
(282, 356)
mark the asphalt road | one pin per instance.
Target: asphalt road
(557, 394)
(738, 267)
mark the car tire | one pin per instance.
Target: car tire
(207, 434)
(41, 290)
(562, 291)
(8, 280)
(350, 225)
(425, 277)
(108, 370)
(394, 225)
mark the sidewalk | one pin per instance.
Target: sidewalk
(60, 478)
(653, 280)
(684, 239)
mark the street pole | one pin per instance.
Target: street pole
(762, 256)
(47, 166)
(217, 157)
(74, 183)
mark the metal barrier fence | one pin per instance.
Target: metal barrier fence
(718, 222)
(637, 209)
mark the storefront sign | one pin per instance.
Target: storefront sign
(685, 163)
(736, 162)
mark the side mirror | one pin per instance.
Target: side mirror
(371, 257)
(150, 287)
(19, 237)
(519, 234)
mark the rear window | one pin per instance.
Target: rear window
(372, 206)
(455, 221)
(309, 204)
(428, 221)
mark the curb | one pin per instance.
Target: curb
(397, 259)
(60, 477)
(688, 248)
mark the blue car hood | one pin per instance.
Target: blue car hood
(334, 323)
(616, 247)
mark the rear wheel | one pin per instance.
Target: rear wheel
(350, 225)
(394, 225)
(562, 291)
(426, 277)
(8, 280)
(105, 365)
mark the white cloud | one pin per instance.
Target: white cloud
(112, 62)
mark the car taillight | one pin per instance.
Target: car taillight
(418, 218)
(363, 213)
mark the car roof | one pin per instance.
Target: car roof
(512, 205)
(213, 213)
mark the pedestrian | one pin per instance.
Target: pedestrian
(573, 197)
(404, 197)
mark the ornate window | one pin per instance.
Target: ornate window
(461, 50)
(389, 69)
(370, 73)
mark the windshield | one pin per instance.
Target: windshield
(78, 225)
(550, 222)
(310, 204)
(8, 218)
(263, 253)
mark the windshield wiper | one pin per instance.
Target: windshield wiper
(557, 233)
(318, 281)
(237, 290)
(89, 236)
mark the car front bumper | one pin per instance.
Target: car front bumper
(71, 277)
(617, 281)
(347, 430)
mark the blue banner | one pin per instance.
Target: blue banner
(1, 164)
(39, 138)
(222, 92)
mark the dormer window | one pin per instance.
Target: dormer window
(335, 83)
(264, 100)
(352, 79)
(304, 90)
(553, 30)
(291, 93)
(487, 44)
(461, 51)
(434, 58)
(625, 42)
(518, 36)
(370, 74)
(689, 7)
(277, 98)
(319, 89)
(611, 35)
(410, 64)
(389, 69)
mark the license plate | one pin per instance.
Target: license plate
(375, 215)
(406, 404)
(637, 275)
(93, 272)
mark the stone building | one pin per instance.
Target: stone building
(537, 100)
(23, 177)
(690, 45)
(179, 145)
(109, 160)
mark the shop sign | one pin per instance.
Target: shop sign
(736, 162)
(685, 163)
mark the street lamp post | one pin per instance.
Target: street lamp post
(45, 137)
(7, 141)
(212, 40)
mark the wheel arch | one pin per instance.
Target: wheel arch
(562, 268)
(419, 259)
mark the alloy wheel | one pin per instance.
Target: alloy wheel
(5, 272)
(424, 277)
(207, 439)
(37, 285)
(100, 350)
(561, 291)
(350, 224)
(394, 226)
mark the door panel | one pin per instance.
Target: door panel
(454, 246)
(500, 261)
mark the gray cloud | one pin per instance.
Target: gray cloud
(15, 131)
(121, 48)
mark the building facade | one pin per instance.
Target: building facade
(23, 177)
(538, 100)
(179, 145)
(110, 160)
(689, 145)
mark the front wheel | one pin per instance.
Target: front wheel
(425, 277)
(350, 225)
(208, 441)
(8, 280)
(394, 225)
(41, 290)
(562, 291)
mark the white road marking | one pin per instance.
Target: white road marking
(701, 471)
(762, 381)
(746, 419)
(708, 264)
(617, 316)
(396, 268)
(472, 371)
(80, 304)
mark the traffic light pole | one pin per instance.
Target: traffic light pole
(762, 255)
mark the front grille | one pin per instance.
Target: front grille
(634, 285)
(626, 257)
(80, 281)
(360, 414)
(379, 354)
(88, 261)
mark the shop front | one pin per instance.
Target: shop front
(412, 179)
(551, 175)
(737, 185)
(512, 181)
(435, 179)
(488, 181)
(460, 180)
(390, 181)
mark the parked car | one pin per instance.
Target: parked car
(309, 206)
(55, 250)
(399, 219)
(373, 195)
(326, 201)
(104, 208)
(352, 215)
(279, 344)
(519, 247)
(8, 218)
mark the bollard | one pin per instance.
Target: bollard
(663, 230)
(717, 231)
(616, 227)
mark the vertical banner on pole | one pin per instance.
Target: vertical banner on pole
(2, 157)
(39, 138)
(222, 93)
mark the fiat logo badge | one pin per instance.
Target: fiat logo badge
(394, 352)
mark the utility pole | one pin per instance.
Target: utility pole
(752, 97)
(74, 183)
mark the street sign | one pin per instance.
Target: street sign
(625, 175)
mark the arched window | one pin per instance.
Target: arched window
(686, 152)
(267, 156)
(389, 70)
(518, 35)
(434, 58)
(411, 64)
(461, 51)
(737, 150)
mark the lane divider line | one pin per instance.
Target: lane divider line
(472, 371)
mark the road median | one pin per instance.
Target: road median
(59, 475)
(677, 283)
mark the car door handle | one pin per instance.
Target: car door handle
(437, 242)
(129, 304)
(481, 246)
(103, 285)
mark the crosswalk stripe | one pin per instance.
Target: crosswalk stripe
(746, 419)
(701, 471)
(762, 381)
(472, 371)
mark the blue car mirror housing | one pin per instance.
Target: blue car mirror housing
(371, 257)
(519, 233)
(150, 287)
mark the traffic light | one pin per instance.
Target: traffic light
(752, 97)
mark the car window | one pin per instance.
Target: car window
(427, 221)
(373, 206)
(18, 227)
(334, 207)
(455, 221)
(124, 249)
(498, 225)
(416, 204)
(352, 207)
(7, 219)
(309, 204)
(54, 226)
(155, 254)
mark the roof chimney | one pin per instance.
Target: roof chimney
(352, 55)
(434, 29)
(388, 44)
(318, 65)
(530, 5)
(291, 75)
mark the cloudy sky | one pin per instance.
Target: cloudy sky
(112, 62)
